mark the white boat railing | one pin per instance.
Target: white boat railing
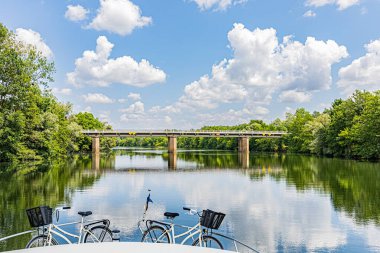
(15, 235)
(236, 243)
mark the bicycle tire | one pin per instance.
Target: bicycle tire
(39, 241)
(98, 231)
(209, 241)
(155, 234)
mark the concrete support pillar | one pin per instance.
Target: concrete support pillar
(95, 145)
(243, 145)
(172, 162)
(172, 144)
(244, 159)
(95, 161)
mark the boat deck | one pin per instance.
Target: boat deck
(121, 247)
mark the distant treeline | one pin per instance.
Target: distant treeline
(349, 128)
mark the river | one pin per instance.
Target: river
(273, 202)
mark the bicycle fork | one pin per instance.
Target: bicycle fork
(49, 236)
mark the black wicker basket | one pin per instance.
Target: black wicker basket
(211, 219)
(39, 216)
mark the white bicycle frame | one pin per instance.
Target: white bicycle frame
(190, 234)
(58, 231)
(171, 231)
(172, 236)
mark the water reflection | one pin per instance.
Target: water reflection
(244, 159)
(276, 203)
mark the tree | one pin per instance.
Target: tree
(87, 121)
(33, 124)
(317, 127)
(299, 138)
(365, 131)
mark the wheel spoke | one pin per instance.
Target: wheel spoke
(155, 234)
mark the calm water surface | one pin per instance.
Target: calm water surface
(275, 203)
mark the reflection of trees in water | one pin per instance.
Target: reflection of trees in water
(27, 185)
(353, 186)
(211, 159)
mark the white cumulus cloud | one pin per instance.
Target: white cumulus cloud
(135, 108)
(97, 69)
(262, 65)
(217, 4)
(135, 113)
(342, 4)
(134, 96)
(122, 100)
(309, 14)
(119, 16)
(63, 91)
(97, 98)
(76, 13)
(363, 72)
(34, 39)
(294, 96)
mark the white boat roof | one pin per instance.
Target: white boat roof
(121, 247)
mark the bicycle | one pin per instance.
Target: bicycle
(92, 231)
(164, 232)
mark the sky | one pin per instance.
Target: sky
(143, 64)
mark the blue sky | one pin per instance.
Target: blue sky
(188, 63)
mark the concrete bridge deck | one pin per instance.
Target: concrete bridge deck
(182, 133)
(243, 136)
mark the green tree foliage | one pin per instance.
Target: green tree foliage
(354, 129)
(33, 124)
(88, 121)
(365, 131)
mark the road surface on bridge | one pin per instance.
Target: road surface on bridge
(184, 133)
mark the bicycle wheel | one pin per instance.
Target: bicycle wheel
(155, 234)
(40, 241)
(209, 241)
(98, 234)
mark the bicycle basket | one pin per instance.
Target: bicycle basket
(39, 216)
(211, 219)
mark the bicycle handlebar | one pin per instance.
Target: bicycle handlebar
(62, 208)
(191, 211)
(56, 211)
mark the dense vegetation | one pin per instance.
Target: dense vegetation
(349, 128)
(33, 124)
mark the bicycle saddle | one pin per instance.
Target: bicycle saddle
(84, 214)
(171, 215)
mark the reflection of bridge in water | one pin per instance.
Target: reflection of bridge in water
(172, 135)
(243, 160)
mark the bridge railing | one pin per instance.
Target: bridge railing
(183, 131)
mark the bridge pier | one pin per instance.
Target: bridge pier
(172, 161)
(172, 144)
(95, 145)
(244, 159)
(95, 161)
(243, 145)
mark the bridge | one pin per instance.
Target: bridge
(172, 135)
